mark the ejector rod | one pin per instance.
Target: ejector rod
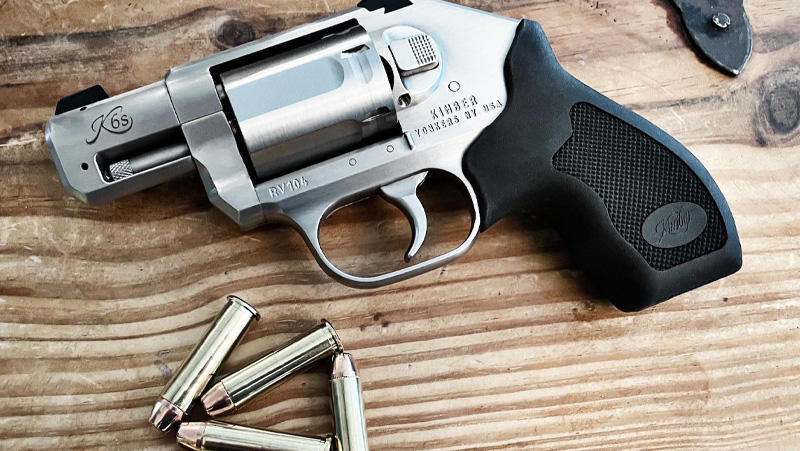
(140, 163)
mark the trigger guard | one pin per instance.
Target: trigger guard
(308, 223)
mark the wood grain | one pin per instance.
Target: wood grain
(509, 348)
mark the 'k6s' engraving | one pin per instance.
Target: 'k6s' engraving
(287, 187)
(115, 121)
(674, 224)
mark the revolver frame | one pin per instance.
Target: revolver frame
(438, 112)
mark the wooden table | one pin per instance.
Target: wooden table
(510, 348)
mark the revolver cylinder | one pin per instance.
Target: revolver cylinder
(311, 103)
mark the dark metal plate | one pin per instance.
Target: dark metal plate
(719, 30)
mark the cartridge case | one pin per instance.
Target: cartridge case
(199, 368)
(219, 436)
(237, 389)
(349, 421)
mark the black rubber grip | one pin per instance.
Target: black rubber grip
(639, 213)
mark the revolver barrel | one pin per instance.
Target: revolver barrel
(119, 145)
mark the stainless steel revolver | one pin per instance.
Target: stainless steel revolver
(366, 102)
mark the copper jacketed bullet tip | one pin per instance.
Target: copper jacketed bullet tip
(166, 415)
(190, 435)
(217, 400)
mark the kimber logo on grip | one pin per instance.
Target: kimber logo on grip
(115, 121)
(674, 225)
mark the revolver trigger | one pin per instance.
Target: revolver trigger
(403, 195)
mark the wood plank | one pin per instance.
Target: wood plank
(508, 348)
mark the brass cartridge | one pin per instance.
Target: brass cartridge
(202, 364)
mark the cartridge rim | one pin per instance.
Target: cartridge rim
(334, 334)
(233, 299)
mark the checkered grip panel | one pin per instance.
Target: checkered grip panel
(634, 175)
